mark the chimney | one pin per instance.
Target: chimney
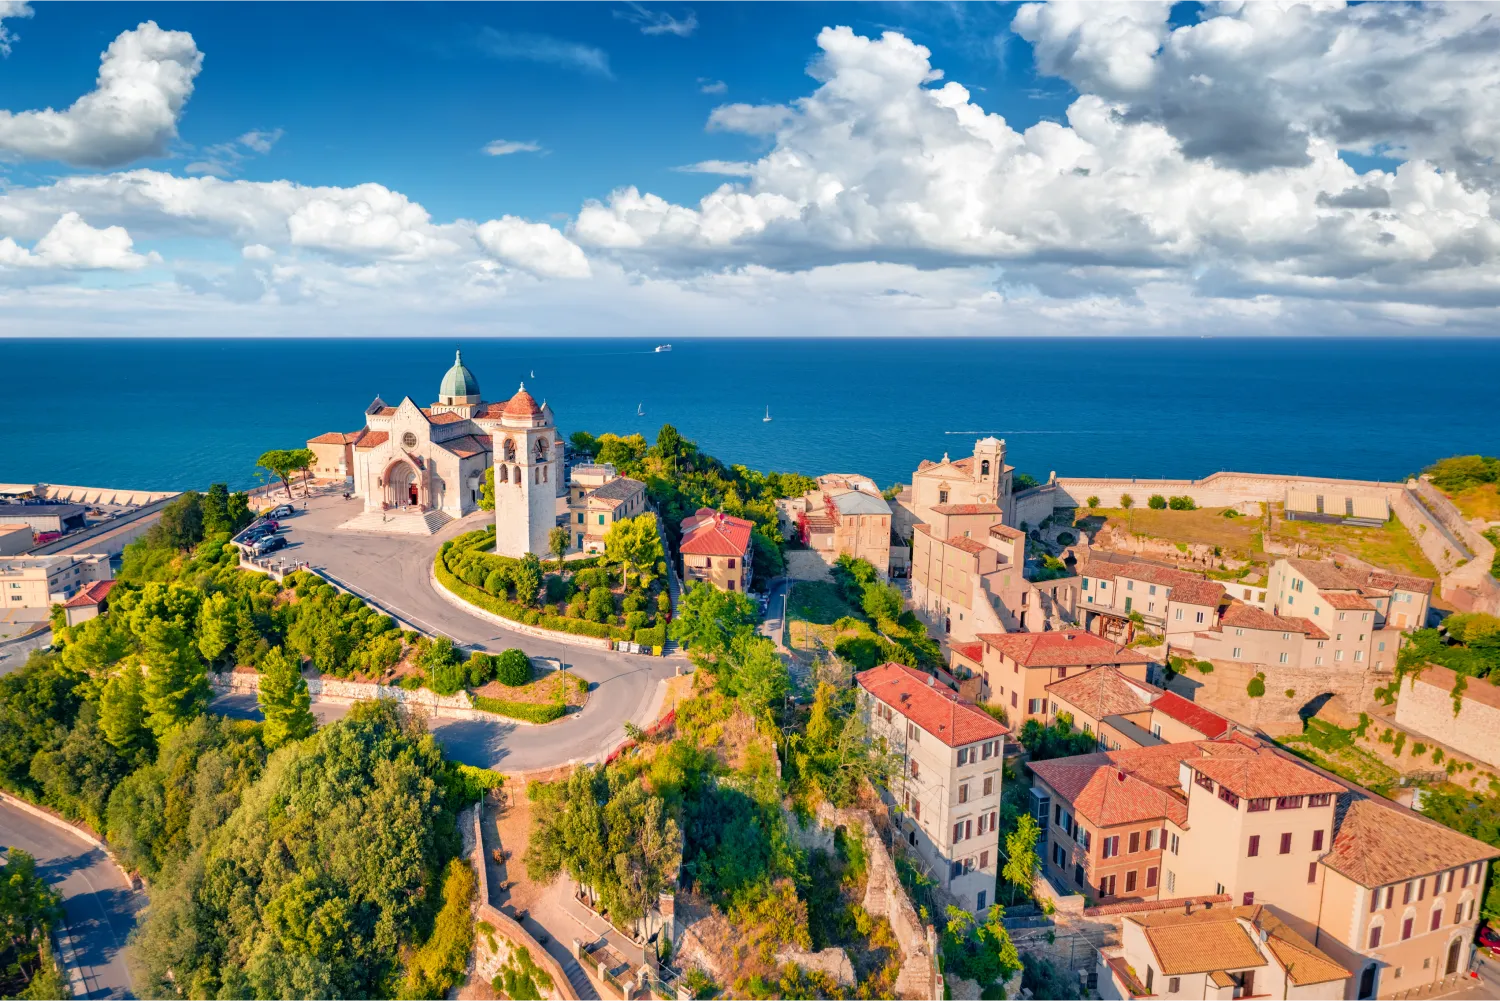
(1120, 775)
(1188, 907)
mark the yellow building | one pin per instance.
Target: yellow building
(717, 549)
(42, 581)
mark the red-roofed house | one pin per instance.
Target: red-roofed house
(1017, 667)
(952, 756)
(91, 601)
(1124, 712)
(1364, 612)
(717, 548)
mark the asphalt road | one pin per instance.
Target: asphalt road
(392, 572)
(101, 907)
(13, 653)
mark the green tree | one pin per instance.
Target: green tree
(283, 699)
(1156, 502)
(122, 710)
(1025, 481)
(215, 508)
(513, 668)
(708, 620)
(759, 678)
(882, 602)
(1021, 860)
(216, 627)
(180, 525)
(634, 544)
(286, 462)
(584, 443)
(176, 687)
(239, 510)
(526, 574)
(28, 910)
(557, 545)
(1127, 502)
(487, 490)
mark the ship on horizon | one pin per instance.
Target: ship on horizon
(663, 347)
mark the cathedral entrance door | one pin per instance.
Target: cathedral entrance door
(411, 493)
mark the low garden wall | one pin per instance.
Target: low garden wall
(458, 706)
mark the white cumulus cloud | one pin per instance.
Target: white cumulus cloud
(532, 246)
(10, 9)
(73, 245)
(145, 78)
(505, 147)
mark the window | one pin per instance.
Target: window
(916, 772)
(1318, 846)
(1178, 616)
(1111, 847)
(1375, 937)
(1135, 842)
(730, 564)
(958, 832)
(1437, 919)
(942, 496)
(1200, 616)
(1174, 844)
(1390, 892)
(1286, 843)
(1231, 798)
(963, 758)
(981, 823)
(963, 793)
(1151, 839)
(601, 519)
(1312, 872)
(1129, 586)
(1130, 881)
(1359, 655)
(1173, 984)
(987, 748)
(1338, 655)
(1057, 815)
(1034, 706)
(1258, 805)
(1204, 781)
(1406, 929)
(1458, 913)
(1283, 657)
(1466, 877)
(913, 734)
(1234, 654)
(1451, 874)
(1171, 881)
(1288, 802)
(989, 783)
(1107, 886)
(956, 869)
(1406, 892)
(1254, 846)
(1320, 799)
(1248, 898)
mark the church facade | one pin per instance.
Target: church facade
(412, 461)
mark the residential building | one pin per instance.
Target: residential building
(1254, 635)
(846, 515)
(1386, 893)
(965, 585)
(1119, 595)
(1124, 712)
(333, 454)
(717, 549)
(1363, 611)
(1013, 670)
(91, 601)
(42, 581)
(958, 496)
(1467, 719)
(597, 498)
(951, 763)
(1218, 952)
(15, 539)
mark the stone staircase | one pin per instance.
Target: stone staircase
(397, 523)
(580, 982)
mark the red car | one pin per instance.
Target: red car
(1489, 939)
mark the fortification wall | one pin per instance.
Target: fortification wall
(1427, 708)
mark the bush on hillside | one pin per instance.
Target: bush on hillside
(1157, 502)
(1182, 504)
(513, 668)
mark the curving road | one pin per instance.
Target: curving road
(101, 906)
(393, 573)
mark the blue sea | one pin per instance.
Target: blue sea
(176, 414)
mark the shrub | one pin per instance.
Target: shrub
(1182, 504)
(559, 589)
(578, 606)
(1066, 538)
(530, 712)
(448, 677)
(1157, 502)
(634, 621)
(509, 610)
(587, 580)
(1127, 502)
(663, 603)
(513, 668)
(1257, 686)
(1400, 743)
(1437, 755)
(634, 601)
(1291, 693)
(654, 637)
(497, 583)
(1204, 666)
(1229, 512)
(1418, 749)
(601, 604)
(481, 668)
(1093, 501)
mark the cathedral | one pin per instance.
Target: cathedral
(423, 466)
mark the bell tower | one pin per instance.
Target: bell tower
(527, 472)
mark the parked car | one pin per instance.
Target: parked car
(1489, 939)
(256, 532)
(269, 544)
(281, 511)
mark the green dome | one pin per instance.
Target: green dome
(459, 381)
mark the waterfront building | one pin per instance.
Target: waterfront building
(1013, 670)
(15, 539)
(717, 549)
(45, 517)
(43, 581)
(948, 790)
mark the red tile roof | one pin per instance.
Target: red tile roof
(1100, 692)
(1258, 773)
(336, 438)
(934, 707)
(972, 651)
(95, 592)
(1377, 842)
(709, 533)
(372, 439)
(968, 545)
(1120, 787)
(967, 509)
(1324, 574)
(1006, 532)
(469, 445)
(1249, 617)
(1210, 724)
(1343, 599)
(383, 412)
(1394, 581)
(523, 404)
(1186, 587)
(446, 417)
(1309, 626)
(1066, 648)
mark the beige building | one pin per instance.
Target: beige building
(717, 549)
(951, 759)
(1166, 601)
(846, 515)
(91, 601)
(1364, 612)
(965, 585)
(1123, 712)
(44, 581)
(1250, 634)
(15, 539)
(1013, 670)
(1219, 952)
(597, 498)
(1386, 893)
(955, 496)
(333, 454)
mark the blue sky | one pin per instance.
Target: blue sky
(861, 168)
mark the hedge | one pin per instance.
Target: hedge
(520, 613)
(531, 712)
(486, 537)
(655, 636)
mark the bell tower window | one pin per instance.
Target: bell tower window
(984, 467)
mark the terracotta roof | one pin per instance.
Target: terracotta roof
(92, 594)
(1343, 599)
(1100, 692)
(1065, 648)
(336, 438)
(1210, 724)
(1376, 842)
(373, 438)
(709, 533)
(1477, 690)
(1323, 574)
(1172, 933)
(469, 445)
(619, 489)
(1250, 617)
(1120, 787)
(1309, 627)
(383, 412)
(1186, 587)
(1258, 773)
(1394, 581)
(967, 509)
(934, 707)
(1304, 962)
(1006, 532)
(523, 404)
(446, 417)
(968, 545)
(1198, 591)
(973, 651)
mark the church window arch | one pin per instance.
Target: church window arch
(518, 476)
(984, 467)
(510, 450)
(504, 474)
(541, 450)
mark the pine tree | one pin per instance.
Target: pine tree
(216, 627)
(122, 709)
(283, 699)
(176, 686)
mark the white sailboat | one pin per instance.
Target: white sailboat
(640, 410)
(767, 418)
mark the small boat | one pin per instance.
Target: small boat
(533, 374)
(640, 410)
(767, 418)
(663, 347)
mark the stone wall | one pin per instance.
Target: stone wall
(339, 690)
(1425, 706)
(1225, 691)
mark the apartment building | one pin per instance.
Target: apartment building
(846, 515)
(1124, 712)
(964, 585)
(1218, 952)
(596, 498)
(717, 549)
(1386, 893)
(1014, 669)
(42, 581)
(952, 758)
(1120, 595)
(1363, 612)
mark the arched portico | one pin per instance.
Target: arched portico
(403, 486)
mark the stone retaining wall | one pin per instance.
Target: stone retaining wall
(1425, 705)
(342, 691)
